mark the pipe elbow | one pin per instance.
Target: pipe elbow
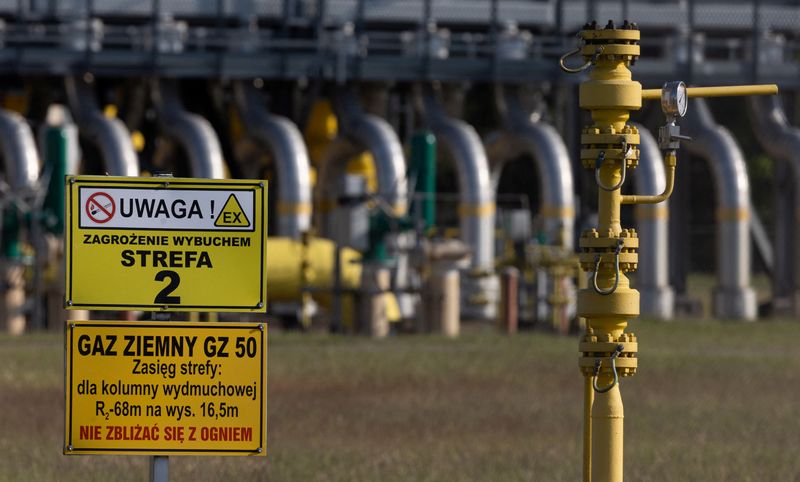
(19, 151)
(378, 137)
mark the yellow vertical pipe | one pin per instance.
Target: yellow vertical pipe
(607, 424)
(608, 207)
(588, 399)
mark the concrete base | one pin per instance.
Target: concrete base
(786, 306)
(372, 321)
(735, 304)
(479, 297)
(657, 303)
(12, 300)
(440, 304)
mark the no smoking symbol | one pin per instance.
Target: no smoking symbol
(100, 207)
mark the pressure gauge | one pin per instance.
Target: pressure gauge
(674, 98)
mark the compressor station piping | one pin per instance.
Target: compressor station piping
(782, 141)
(109, 134)
(477, 202)
(283, 140)
(542, 141)
(362, 131)
(192, 131)
(21, 161)
(734, 298)
(656, 296)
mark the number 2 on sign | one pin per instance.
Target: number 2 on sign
(163, 296)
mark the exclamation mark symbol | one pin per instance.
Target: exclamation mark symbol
(212, 209)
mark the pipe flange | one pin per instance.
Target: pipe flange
(607, 144)
(617, 43)
(593, 350)
(626, 366)
(610, 249)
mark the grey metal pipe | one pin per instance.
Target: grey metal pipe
(523, 134)
(477, 204)
(475, 188)
(21, 160)
(192, 131)
(657, 299)
(360, 131)
(283, 139)
(110, 135)
(734, 298)
(782, 141)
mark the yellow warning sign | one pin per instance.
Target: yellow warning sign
(167, 244)
(166, 388)
(232, 214)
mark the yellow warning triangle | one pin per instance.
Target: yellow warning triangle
(232, 215)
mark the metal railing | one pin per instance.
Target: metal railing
(505, 40)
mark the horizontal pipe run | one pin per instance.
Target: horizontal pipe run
(720, 91)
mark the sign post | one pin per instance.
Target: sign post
(165, 388)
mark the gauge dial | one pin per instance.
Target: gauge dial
(674, 98)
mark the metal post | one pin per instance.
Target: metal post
(426, 39)
(756, 31)
(159, 468)
(159, 464)
(336, 308)
(690, 43)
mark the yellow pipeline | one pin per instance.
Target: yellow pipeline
(286, 275)
(670, 161)
(293, 267)
(721, 91)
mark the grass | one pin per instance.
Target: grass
(712, 401)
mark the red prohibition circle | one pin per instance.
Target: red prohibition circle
(100, 207)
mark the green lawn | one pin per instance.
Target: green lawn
(712, 401)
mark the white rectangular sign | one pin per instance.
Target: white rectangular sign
(171, 209)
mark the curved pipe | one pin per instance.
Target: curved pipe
(475, 187)
(477, 205)
(656, 296)
(734, 298)
(782, 141)
(282, 138)
(192, 131)
(19, 151)
(361, 131)
(545, 145)
(110, 135)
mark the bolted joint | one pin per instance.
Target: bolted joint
(599, 146)
(617, 43)
(601, 353)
